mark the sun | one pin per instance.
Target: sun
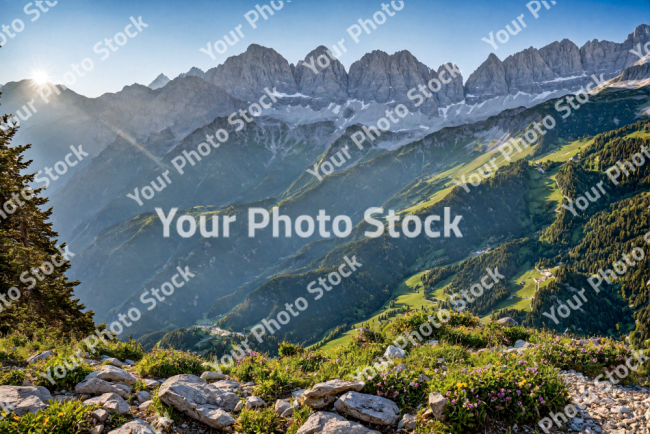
(40, 77)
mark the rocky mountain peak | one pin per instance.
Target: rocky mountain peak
(193, 72)
(328, 83)
(385, 78)
(159, 82)
(488, 81)
(245, 76)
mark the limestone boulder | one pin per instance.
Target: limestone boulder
(330, 423)
(136, 426)
(199, 400)
(111, 402)
(368, 408)
(96, 386)
(22, 400)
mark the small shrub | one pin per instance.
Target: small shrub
(257, 422)
(131, 350)
(58, 418)
(590, 360)
(139, 386)
(287, 349)
(53, 365)
(167, 363)
(402, 387)
(12, 377)
(366, 337)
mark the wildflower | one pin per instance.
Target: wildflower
(542, 400)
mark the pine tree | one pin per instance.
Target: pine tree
(32, 298)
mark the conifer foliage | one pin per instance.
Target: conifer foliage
(29, 250)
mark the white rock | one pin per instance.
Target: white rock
(254, 402)
(199, 400)
(287, 413)
(112, 361)
(520, 343)
(330, 423)
(136, 426)
(508, 322)
(145, 405)
(112, 373)
(333, 387)
(392, 352)
(22, 400)
(408, 423)
(437, 403)
(227, 385)
(96, 386)
(213, 376)
(40, 356)
(151, 384)
(100, 415)
(281, 405)
(368, 408)
(143, 396)
(111, 402)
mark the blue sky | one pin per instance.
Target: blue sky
(434, 31)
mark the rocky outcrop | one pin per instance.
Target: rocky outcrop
(637, 72)
(525, 71)
(557, 66)
(563, 58)
(199, 400)
(22, 400)
(488, 81)
(368, 408)
(385, 78)
(245, 76)
(328, 84)
(610, 58)
(330, 423)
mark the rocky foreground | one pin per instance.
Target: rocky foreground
(212, 401)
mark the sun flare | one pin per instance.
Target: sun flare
(40, 77)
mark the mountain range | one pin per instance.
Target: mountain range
(134, 135)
